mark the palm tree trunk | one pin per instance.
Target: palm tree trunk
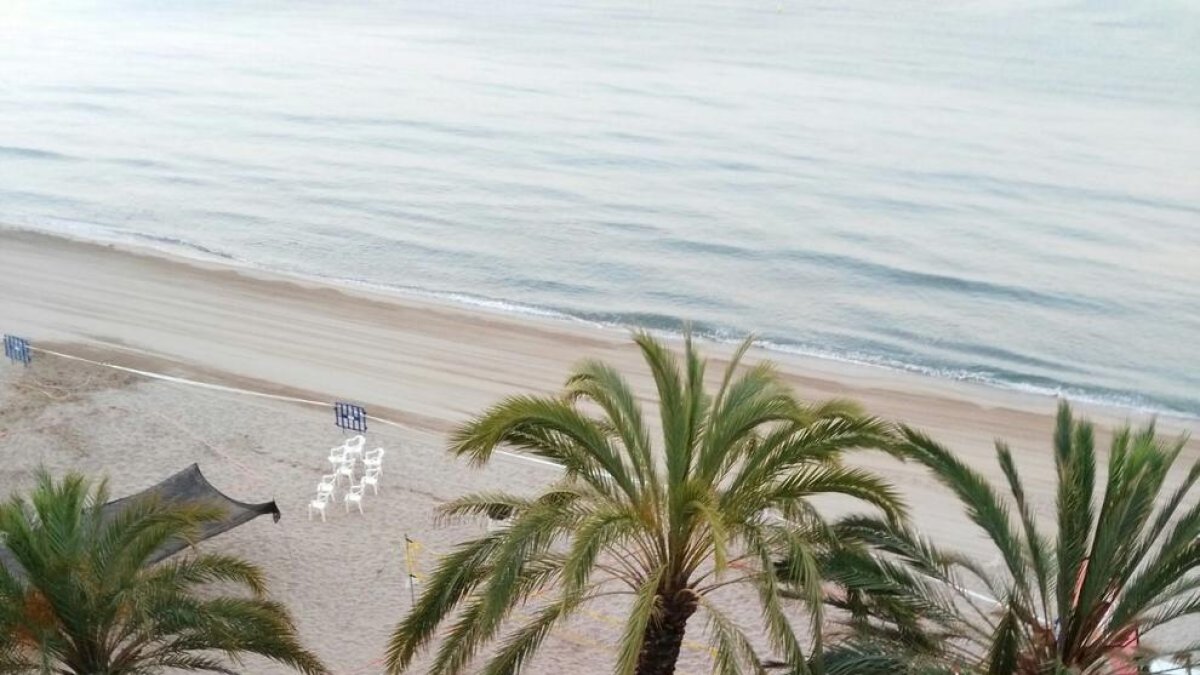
(664, 636)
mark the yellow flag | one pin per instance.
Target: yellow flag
(411, 549)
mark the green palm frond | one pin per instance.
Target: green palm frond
(455, 578)
(661, 520)
(1120, 566)
(879, 658)
(89, 601)
(733, 652)
(983, 504)
(645, 612)
(1004, 649)
(521, 646)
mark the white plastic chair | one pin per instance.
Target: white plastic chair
(327, 486)
(371, 477)
(354, 445)
(354, 494)
(337, 456)
(346, 468)
(374, 460)
(318, 504)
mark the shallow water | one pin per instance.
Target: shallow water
(1006, 192)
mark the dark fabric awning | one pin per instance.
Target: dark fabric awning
(186, 487)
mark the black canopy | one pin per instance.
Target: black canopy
(186, 487)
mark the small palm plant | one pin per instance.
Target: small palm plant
(85, 601)
(663, 524)
(1078, 600)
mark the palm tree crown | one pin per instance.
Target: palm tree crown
(1120, 565)
(85, 601)
(663, 524)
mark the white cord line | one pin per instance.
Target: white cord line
(247, 392)
(977, 596)
(179, 380)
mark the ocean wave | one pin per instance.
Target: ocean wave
(175, 243)
(32, 153)
(1029, 384)
(110, 234)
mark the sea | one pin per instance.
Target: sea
(997, 191)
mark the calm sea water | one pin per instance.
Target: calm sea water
(999, 191)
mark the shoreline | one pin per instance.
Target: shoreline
(372, 305)
(832, 366)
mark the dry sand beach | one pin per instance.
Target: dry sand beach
(424, 365)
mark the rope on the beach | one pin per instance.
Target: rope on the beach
(163, 377)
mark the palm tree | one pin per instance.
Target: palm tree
(664, 524)
(1078, 600)
(85, 602)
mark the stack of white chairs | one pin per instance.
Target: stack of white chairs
(343, 461)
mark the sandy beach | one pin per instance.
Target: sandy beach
(424, 365)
